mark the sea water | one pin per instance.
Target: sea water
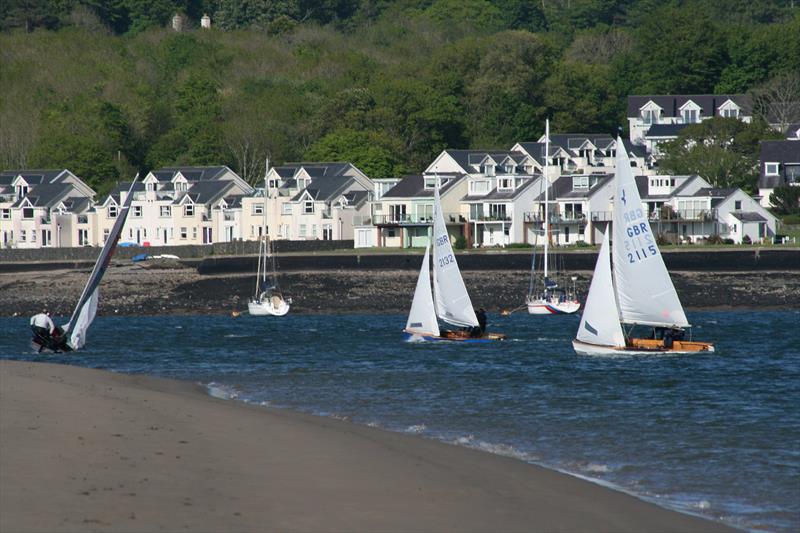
(716, 435)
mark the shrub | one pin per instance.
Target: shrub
(714, 239)
(461, 243)
(518, 245)
(583, 244)
(746, 240)
(727, 241)
(791, 220)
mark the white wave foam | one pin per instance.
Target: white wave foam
(597, 468)
(702, 505)
(223, 392)
(417, 428)
(235, 336)
(505, 450)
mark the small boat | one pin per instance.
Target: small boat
(545, 296)
(268, 299)
(72, 336)
(638, 293)
(449, 300)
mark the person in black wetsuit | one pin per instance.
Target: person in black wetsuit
(481, 315)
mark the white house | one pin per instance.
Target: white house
(779, 167)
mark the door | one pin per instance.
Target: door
(165, 235)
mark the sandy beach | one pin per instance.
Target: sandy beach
(88, 450)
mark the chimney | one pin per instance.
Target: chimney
(205, 22)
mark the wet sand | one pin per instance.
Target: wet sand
(87, 450)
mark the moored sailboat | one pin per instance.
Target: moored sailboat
(449, 300)
(545, 296)
(72, 336)
(638, 292)
(268, 299)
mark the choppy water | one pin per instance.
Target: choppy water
(716, 435)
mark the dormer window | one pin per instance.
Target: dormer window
(580, 182)
(188, 210)
(505, 184)
(150, 187)
(772, 169)
(478, 187)
(273, 184)
(509, 169)
(22, 190)
(730, 113)
(180, 186)
(113, 211)
(308, 207)
(488, 169)
(689, 116)
(650, 116)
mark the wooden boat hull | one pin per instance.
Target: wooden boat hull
(644, 347)
(452, 336)
(546, 307)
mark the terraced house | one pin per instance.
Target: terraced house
(44, 208)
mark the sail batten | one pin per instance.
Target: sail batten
(86, 310)
(644, 290)
(452, 300)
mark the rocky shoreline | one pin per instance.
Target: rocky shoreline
(130, 290)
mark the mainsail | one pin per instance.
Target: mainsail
(600, 320)
(452, 301)
(644, 289)
(86, 309)
(422, 317)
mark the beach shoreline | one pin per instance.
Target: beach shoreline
(84, 449)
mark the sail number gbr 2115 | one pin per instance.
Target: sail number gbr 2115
(639, 244)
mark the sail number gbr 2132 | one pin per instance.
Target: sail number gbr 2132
(639, 244)
(447, 259)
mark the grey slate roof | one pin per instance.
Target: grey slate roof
(561, 188)
(783, 152)
(32, 176)
(191, 173)
(356, 198)
(205, 192)
(123, 187)
(664, 130)
(324, 190)
(748, 216)
(496, 194)
(671, 104)
(715, 192)
(314, 169)
(46, 195)
(414, 187)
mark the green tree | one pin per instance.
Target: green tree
(359, 148)
(786, 200)
(581, 98)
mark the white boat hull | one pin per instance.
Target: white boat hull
(267, 308)
(585, 348)
(547, 307)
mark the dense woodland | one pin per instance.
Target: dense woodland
(107, 89)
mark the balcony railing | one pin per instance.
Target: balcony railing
(490, 218)
(555, 217)
(416, 219)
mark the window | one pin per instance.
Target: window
(302, 230)
(150, 187)
(5, 214)
(22, 236)
(258, 209)
(184, 233)
(397, 213)
(27, 212)
(166, 211)
(286, 209)
(489, 169)
(308, 206)
(188, 210)
(273, 184)
(497, 211)
(650, 116)
(137, 211)
(479, 187)
(689, 116)
(737, 205)
(505, 184)
(33, 235)
(771, 169)
(194, 232)
(105, 234)
(730, 113)
(314, 231)
(113, 211)
(83, 237)
(580, 182)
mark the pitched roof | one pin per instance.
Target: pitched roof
(562, 188)
(46, 194)
(664, 130)
(716, 192)
(783, 152)
(496, 194)
(323, 190)
(33, 176)
(205, 192)
(748, 216)
(414, 187)
(314, 169)
(671, 104)
(191, 173)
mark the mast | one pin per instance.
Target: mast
(546, 197)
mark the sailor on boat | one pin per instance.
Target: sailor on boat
(45, 333)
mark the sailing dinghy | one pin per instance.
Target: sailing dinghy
(638, 292)
(267, 299)
(72, 335)
(449, 300)
(547, 298)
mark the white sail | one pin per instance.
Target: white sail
(422, 317)
(600, 320)
(452, 301)
(644, 289)
(86, 309)
(77, 334)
